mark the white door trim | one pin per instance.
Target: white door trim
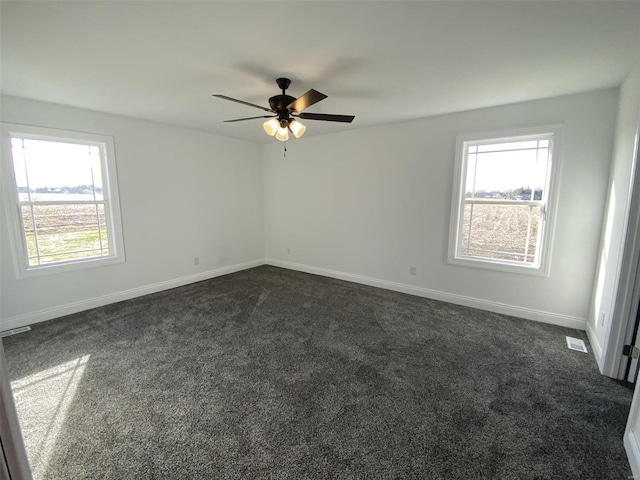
(11, 443)
(628, 286)
(631, 440)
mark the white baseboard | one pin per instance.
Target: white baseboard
(595, 346)
(506, 309)
(530, 314)
(67, 309)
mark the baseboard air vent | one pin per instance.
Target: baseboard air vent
(576, 344)
(14, 331)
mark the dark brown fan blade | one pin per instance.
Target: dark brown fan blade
(306, 100)
(327, 117)
(250, 118)
(224, 97)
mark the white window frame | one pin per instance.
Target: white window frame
(548, 203)
(13, 206)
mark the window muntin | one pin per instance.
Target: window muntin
(64, 191)
(500, 213)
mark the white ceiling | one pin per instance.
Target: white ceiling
(381, 61)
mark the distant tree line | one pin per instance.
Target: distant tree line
(522, 193)
(78, 189)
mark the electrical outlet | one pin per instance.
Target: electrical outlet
(413, 270)
(196, 260)
(288, 251)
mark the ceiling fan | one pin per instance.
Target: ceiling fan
(287, 109)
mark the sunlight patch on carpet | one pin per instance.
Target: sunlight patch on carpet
(42, 402)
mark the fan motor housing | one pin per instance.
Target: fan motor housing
(279, 103)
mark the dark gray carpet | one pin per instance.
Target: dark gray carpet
(270, 373)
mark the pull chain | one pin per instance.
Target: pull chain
(285, 150)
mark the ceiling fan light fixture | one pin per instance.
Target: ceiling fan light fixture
(271, 126)
(284, 107)
(282, 134)
(297, 128)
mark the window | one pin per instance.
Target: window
(62, 199)
(503, 200)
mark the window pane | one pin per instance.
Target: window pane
(60, 171)
(102, 225)
(511, 174)
(30, 235)
(17, 154)
(492, 147)
(67, 232)
(503, 232)
(96, 171)
(471, 175)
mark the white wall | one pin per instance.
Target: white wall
(367, 204)
(183, 194)
(609, 307)
(362, 205)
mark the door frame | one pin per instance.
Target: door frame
(627, 296)
(631, 433)
(14, 462)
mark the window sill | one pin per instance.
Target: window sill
(41, 270)
(521, 269)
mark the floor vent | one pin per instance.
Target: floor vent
(576, 344)
(7, 333)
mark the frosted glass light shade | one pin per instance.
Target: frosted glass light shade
(271, 126)
(282, 134)
(297, 128)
